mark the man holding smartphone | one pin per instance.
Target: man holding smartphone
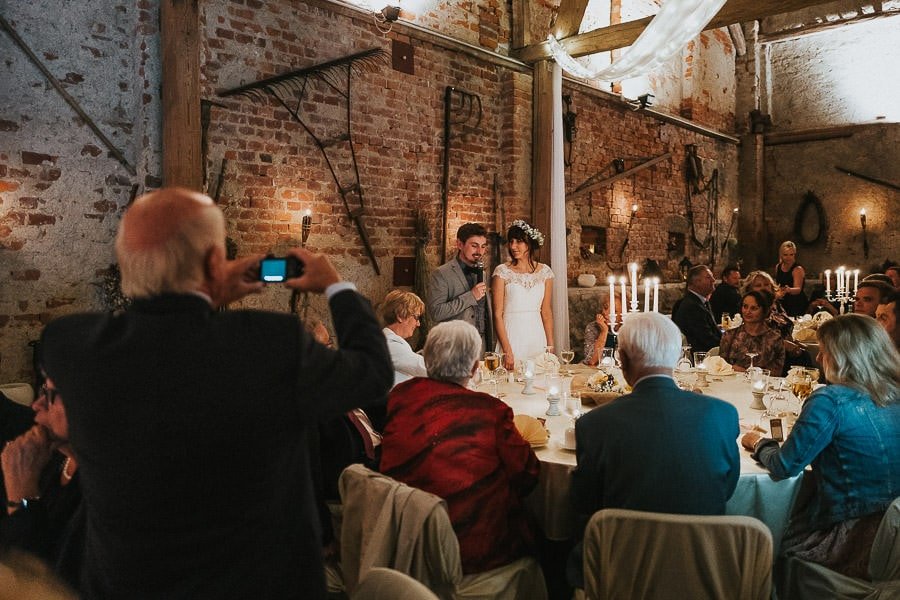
(190, 425)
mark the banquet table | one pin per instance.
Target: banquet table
(757, 494)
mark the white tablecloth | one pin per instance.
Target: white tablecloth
(757, 494)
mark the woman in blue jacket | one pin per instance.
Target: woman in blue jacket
(850, 432)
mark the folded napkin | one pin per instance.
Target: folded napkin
(716, 365)
(807, 334)
(821, 316)
(736, 321)
(531, 430)
(544, 361)
(590, 394)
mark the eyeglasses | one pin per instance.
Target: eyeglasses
(51, 394)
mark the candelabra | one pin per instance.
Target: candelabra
(841, 293)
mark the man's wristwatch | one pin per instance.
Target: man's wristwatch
(23, 503)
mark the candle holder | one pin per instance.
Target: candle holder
(553, 408)
(528, 388)
(759, 380)
(841, 293)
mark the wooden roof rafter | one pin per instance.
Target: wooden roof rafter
(621, 35)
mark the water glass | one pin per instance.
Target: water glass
(573, 404)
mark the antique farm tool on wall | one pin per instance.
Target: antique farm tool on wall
(115, 152)
(460, 109)
(594, 182)
(290, 90)
(696, 184)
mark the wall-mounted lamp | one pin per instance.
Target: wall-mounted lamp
(305, 227)
(386, 17)
(634, 209)
(862, 221)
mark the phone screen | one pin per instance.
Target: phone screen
(273, 269)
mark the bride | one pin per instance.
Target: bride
(521, 289)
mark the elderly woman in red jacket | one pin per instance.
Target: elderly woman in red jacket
(462, 445)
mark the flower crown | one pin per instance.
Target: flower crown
(530, 231)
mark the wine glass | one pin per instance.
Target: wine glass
(752, 355)
(684, 363)
(801, 386)
(573, 404)
(567, 356)
(700, 367)
(501, 374)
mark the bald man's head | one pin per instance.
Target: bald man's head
(164, 240)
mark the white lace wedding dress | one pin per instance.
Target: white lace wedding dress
(523, 295)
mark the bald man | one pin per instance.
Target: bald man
(190, 425)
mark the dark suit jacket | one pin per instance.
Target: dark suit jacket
(725, 299)
(696, 323)
(657, 449)
(190, 428)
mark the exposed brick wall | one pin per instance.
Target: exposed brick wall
(60, 192)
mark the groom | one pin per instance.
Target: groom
(457, 290)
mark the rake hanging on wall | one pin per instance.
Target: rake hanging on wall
(290, 90)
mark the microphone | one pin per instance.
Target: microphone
(479, 274)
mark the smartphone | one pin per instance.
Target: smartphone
(274, 269)
(777, 430)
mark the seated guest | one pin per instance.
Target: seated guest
(462, 445)
(15, 419)
(894, 273)
(402, 312)
(753, 335)
(795, 353)
(888, 315)
(693, 315)
(658, 448)
(726, 298)
(40, 473)
(869, 295)
(597, 333)
(850, 432)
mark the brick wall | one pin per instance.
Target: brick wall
(61, 194)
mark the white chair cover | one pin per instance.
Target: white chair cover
(390, 524)
(388, 584)
(643, 555)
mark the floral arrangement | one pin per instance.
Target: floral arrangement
(603, 382)
(530, 231)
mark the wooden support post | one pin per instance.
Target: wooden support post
(542, 150)
(180, 36)
(752, 237)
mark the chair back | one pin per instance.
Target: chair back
(884, 562)
(714, 351)
(645, 555)
(388, 584)
(390, 524)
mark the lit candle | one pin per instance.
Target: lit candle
(633, 269)
(847, 282)
(624, 302)
(656, 294)
(646, 294)
(855, 280)
(827, 282)
(759, 386)
(612, 299)
(840, 280)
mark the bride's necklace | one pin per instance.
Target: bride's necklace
(66, 476)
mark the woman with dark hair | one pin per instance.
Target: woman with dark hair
(753, 336)
(522, 289)
(850, 432)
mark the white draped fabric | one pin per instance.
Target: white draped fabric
(558, 223)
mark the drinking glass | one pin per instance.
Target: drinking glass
(491, 362)
(801, 386)
(573, 404)
(567, 356)
(700, 367)
(608, 360)
(684, 363)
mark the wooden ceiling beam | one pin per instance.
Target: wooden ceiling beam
(569, 18)
(622, 35)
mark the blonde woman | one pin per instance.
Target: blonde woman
(401, 312)
(521, 289)
(789, 276)
(850, 432)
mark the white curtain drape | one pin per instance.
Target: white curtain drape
(558, 223)
(676, 23)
